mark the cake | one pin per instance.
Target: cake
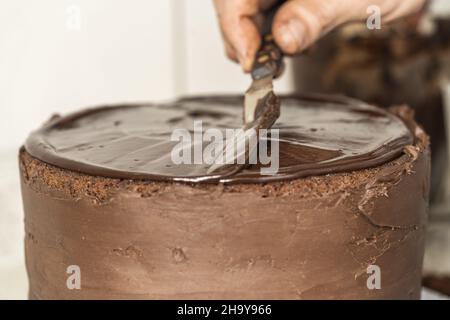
(103, 199)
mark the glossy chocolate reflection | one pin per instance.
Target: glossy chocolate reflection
(318, 135)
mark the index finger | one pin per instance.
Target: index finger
(239, 29)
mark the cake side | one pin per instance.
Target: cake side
(310, 238)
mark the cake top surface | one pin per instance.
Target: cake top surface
(315, 135)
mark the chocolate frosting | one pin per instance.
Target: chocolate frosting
(318, 135)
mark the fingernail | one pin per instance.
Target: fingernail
(247, 64)
(291, 36)
(245, 61)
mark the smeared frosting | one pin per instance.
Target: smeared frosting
(317, 135)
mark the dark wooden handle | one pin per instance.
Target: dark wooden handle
(269, 59)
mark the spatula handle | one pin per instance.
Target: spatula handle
(269, 59)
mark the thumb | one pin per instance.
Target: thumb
(299, 23)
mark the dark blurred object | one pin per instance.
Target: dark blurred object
(405, 63)
(438, 284)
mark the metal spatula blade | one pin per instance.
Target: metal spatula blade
(261, 105)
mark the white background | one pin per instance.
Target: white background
(138, 50)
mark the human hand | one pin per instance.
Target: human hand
(297, 23)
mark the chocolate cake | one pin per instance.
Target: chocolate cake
(101, 193)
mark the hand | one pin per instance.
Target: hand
(297, 23)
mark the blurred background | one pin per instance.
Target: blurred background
(59, 55)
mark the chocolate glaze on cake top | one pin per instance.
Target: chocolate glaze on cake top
(318, 135)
